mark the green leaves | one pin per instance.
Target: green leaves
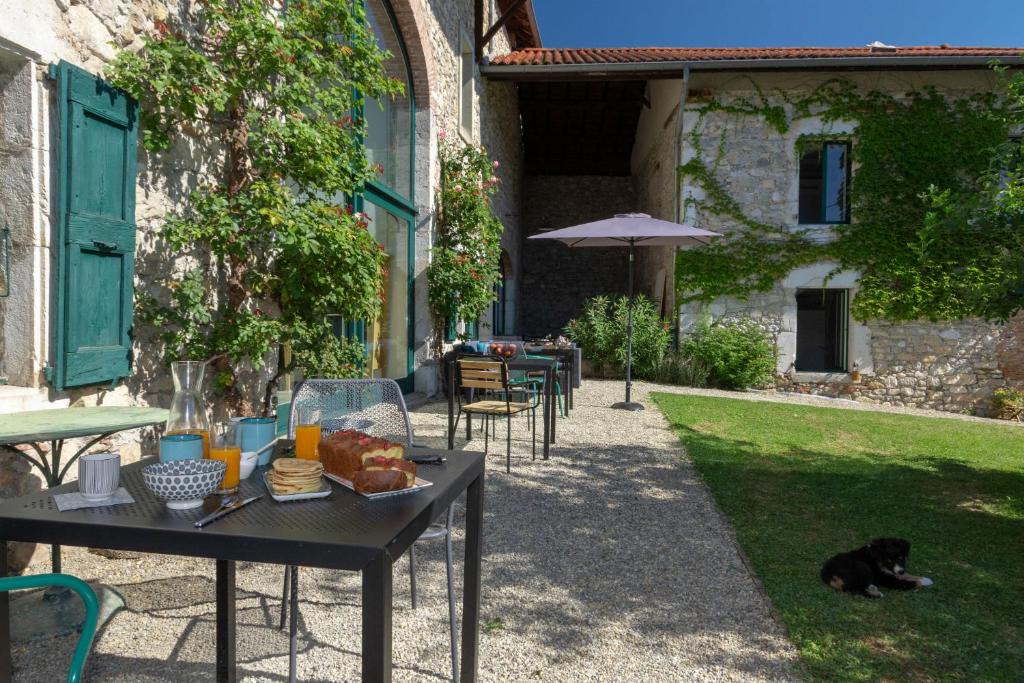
(270, 96)
(601, 333)
(465, 263)
(738, 354)
(936, 201)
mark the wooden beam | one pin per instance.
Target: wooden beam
(483, 40)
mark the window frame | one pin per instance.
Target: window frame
(848, 173)
(389, 199)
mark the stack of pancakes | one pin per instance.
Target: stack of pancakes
(291, 475)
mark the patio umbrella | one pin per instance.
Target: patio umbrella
(629, 229)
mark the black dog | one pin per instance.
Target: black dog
(882, 562)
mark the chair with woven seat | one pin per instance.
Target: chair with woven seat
(490, 374)
(375, 407)
(92, 611)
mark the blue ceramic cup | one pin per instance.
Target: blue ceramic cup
(482, 346)
(257, 432)
(181, 447)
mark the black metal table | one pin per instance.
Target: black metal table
(344, 531)
(550, 414)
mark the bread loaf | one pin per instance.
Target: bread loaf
(378, 481)
(372, 464)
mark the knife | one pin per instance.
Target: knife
(224, 510)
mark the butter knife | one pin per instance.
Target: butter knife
(224, 510)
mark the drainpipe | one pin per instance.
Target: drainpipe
(680, 198)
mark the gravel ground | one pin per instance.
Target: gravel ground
(609, 562)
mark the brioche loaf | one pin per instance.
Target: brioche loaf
(372, 464)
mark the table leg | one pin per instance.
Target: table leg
(554, 403)
(547, 407)
(226, 660)
(451, 407)
(377, 620)
(6, 665)
(471, 579)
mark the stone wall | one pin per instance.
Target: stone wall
(556, 280)
(656, 186)
(445, 24)
(88, 33)
(953, 367)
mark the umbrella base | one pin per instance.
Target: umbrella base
(627, 405)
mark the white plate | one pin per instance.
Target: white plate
(420, 484)
(325, 490)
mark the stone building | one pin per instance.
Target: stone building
(580, 134)
(612, 117)
(437, 50)
(68, 330)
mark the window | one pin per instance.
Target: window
(388, 202)
(466, 92)
(389, 123)
(821, 330)
(824, 190)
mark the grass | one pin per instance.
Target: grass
(800, 483)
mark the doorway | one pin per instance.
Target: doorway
(822, 330)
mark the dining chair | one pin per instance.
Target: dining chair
(375, 407)
(490, 374)
(538, 376)
(92, 611)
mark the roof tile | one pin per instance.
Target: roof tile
(639, 55)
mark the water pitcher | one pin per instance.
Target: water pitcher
(188, 409)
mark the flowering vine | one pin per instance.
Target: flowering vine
(465, 262)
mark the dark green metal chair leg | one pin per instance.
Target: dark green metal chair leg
(92, 611)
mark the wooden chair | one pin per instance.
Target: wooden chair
(490, 376)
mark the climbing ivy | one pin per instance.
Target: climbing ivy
(920, 160)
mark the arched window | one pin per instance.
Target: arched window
(389, 139)
(388, 202)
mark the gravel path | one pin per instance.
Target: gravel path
(609, 562)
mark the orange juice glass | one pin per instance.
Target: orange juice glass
(307, 438)
(201, 432)
(230, 453)
(232, 456)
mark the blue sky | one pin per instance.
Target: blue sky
(760, 23)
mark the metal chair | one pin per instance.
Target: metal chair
(92, 611)
(490, 374)
(375, 407)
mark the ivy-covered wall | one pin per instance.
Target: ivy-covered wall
(741, 177)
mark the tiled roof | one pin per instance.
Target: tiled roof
(641, 55)
(522, 25)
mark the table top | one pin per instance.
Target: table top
(342, 531)
(65, 423)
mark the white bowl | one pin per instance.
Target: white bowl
(247, 464)
(184, 483)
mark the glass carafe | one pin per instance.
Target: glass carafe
(188, 409)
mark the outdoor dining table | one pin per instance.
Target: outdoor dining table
(548, 366)
(56, 425)
(344, 531)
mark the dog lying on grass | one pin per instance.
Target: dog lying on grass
(882, 562)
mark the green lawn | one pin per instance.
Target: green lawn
(800, 483)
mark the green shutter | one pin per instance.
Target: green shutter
(95, 230)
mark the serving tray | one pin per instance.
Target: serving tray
(325, 490)
(420, 484)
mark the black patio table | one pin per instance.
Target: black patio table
(343, 531)
(550, 414)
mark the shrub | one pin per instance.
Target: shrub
(601, 334)
(676, 368)
(1008, 404)
(738, 354)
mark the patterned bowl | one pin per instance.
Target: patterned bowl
(184, 483)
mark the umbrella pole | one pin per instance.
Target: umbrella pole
(628, 404)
